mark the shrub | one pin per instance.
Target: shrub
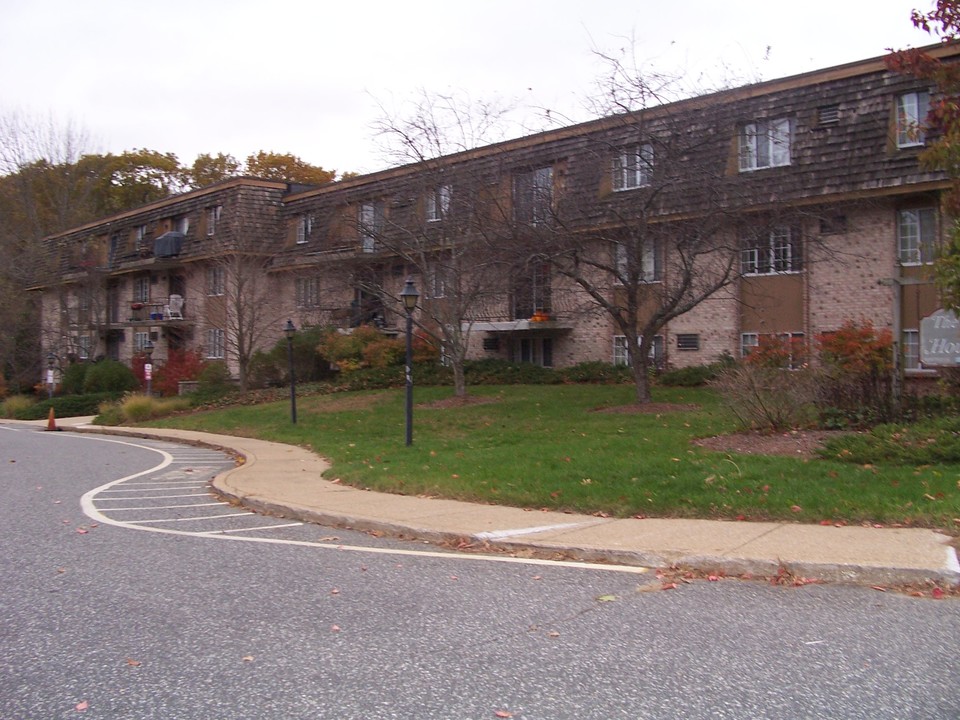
(494, 371)
(385, 352)
(597, 372)
(109, 376)
(3, 386)
(346, 349)
(74, 377)
(692, 376)
(215, 378)
(15, 405)
(180, 365)
(856, 375)
(138, 408)
(767, 398)
(109, 413)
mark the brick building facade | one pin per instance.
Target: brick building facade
(807, 190)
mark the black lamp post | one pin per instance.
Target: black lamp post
(148, 366)
(289, 331)
(51, 362)
(409, 296)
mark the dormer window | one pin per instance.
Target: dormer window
(765, 144)
(633, 167)
(437, 203)
(912, 109)
(304, 228)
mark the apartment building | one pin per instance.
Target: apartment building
(791, 206)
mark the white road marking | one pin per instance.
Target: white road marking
(91, 511)
(251, 529)
(191, 519)
(501, 534)
(149, 497)
(166, 507)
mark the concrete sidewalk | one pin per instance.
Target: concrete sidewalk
(287, 480)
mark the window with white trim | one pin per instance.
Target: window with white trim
(778, 251)
(182, 224)
(912, 109)
(216, 281)
(308, 292)
(621, 353)
(437, 203)
(214, 212)
(141, 289)
(632, 167)
(215, 344)
(371, 221)
(533, 196)
(911, 349)
(140, 340)
(304, 228)
(83, 347)
(916, 236)
(765, 144)
(651, 268)
(748, 343)
(140, 238)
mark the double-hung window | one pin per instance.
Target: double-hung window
(916, 236)
(778, 251)
(633, 167)
(141, 289)
(651, 268)
(912, 109)
(437, 203)
(216, 284)
(621, 351)
(215, 344)
(911, 349)
(371, 223)
(304, 228)
(765, 144)
(308, 292)
(533, 196)
(213, 218)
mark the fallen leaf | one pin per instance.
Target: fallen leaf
(879, 588)
(82, 531)
(796, 508)
(607, 598)
(133, 663)
(329, 538)
(334, 628)
(648, 588)
(81, 706)
(936, 593)
(553, 633)
(503, 714)
(713, 578)
(669, 586)
(248, 658)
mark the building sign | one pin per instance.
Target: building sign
(940, 339)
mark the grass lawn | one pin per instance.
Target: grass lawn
(552, 446)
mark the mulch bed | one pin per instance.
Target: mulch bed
(795, 443)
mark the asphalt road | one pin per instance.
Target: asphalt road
(129, 592)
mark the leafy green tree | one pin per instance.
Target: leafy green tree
(209, 169)
(287, 168)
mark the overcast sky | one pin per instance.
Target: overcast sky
(309, 77)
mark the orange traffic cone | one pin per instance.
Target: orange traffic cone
(51, 421)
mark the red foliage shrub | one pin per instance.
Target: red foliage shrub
(180, 365)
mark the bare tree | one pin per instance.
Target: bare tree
(664, 235)
(445, 222)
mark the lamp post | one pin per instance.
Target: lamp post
(409, 296)
(51, 362)
(289, 331)
(148, 366)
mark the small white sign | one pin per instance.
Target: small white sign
(940, 339)
(49, 377)
(147, 371)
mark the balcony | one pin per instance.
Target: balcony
(157, 311)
